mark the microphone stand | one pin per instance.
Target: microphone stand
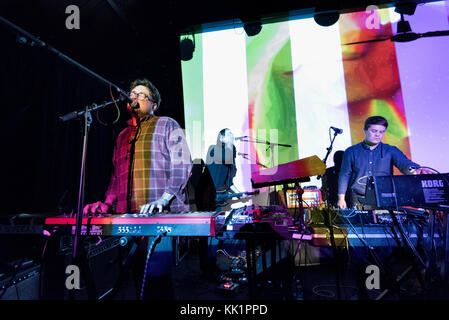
(86, 114)
(93, 107)
(328, 222)
(79, 212)
(329, 150)
(270, 146)
(247, 157)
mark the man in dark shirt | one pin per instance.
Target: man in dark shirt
(371, 158)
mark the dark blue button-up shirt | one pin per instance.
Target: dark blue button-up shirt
(360, 162)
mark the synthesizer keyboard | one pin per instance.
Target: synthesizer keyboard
(173, 224)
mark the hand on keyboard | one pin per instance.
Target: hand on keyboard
(96, 208)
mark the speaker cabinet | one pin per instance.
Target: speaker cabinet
(99, 266)
(22, 283)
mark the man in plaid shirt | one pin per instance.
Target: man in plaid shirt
(152, 161)
(152, 166)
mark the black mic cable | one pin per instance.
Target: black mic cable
(150, 252)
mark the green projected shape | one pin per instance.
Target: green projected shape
(192, 83)
(272, 103)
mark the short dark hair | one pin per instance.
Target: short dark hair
(375, 120)
(154, 92)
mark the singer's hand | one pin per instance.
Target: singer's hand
(159, 204)
(148, 208)
(97, 207)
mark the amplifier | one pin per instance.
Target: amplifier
(102, 259)
(21, 284)
(310, 198)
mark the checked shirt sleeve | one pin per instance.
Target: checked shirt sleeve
(180, 159)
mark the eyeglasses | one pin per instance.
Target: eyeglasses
(140, 95)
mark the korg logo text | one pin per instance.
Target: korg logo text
(432, 183)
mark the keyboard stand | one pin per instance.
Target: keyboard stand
(413, 257)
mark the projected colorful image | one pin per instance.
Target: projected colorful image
(282, 90)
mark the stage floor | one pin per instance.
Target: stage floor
(306, 283)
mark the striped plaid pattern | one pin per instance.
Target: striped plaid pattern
(142, 164)
(162, 163)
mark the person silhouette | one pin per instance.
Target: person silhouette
(220, 161)
(330, 180)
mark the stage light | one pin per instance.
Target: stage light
(251, 23)
(187, 47)
(252, 28)
(326, 19)
(404, 26)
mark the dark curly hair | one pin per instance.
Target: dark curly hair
(154, 92)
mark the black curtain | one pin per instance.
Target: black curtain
(42, 156)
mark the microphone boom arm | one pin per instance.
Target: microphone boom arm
(93, 107)
(267, 142)
(329, 150)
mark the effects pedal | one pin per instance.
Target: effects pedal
(228, 287)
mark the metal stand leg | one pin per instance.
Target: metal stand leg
(445, 262)
(251, 266)
(431, 262)
(416, 260)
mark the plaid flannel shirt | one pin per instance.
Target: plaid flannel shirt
(161, 163)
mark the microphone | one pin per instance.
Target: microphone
(244, 155)
(135, 104)
(337, 130)
(124, 95)
(239, 138)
